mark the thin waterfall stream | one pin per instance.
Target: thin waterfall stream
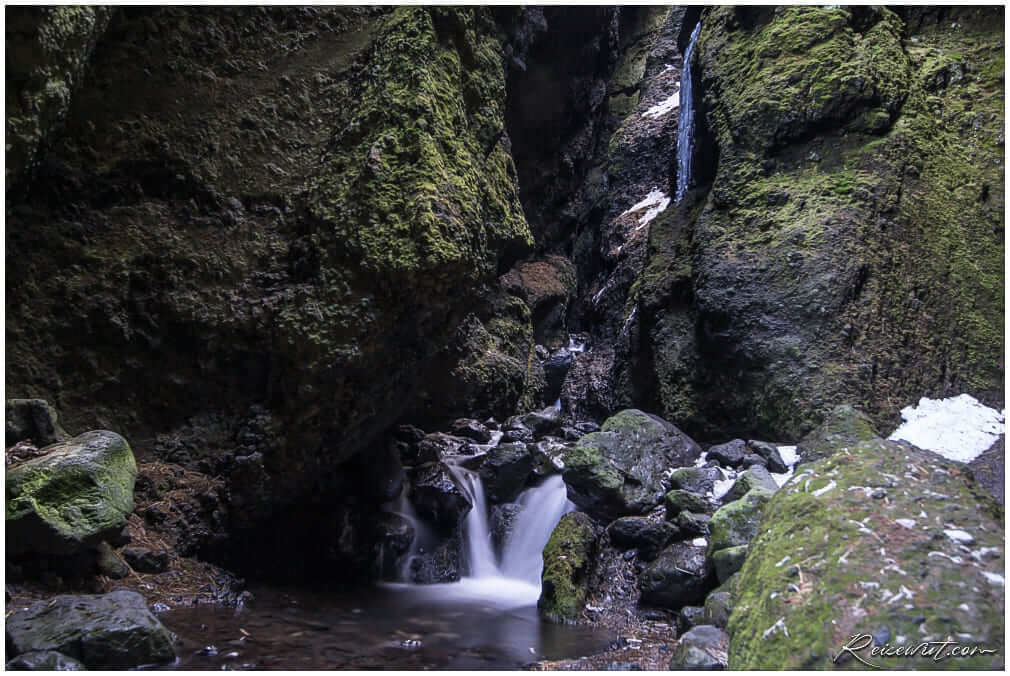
(685, 124)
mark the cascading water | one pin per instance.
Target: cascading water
(477, 547)
(542, 508)
(685, 125)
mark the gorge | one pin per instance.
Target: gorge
(500, 337)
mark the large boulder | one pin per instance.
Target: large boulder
(568, 559)
(755, 477)
(103, 631)
(505, 470)
(436, 496)
(72, 498)
(877, 539)
(44, 660)
(648, 535)
(619, 470)
(698, 480)
(680, 576)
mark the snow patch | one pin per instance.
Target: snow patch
(668, 106)
(699, 542)
(654, 203)
(994, 578)
(790, 458)
(958, 428)
(959, 535)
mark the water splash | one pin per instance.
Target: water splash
(685, 125)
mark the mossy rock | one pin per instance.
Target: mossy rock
(729, 561)
(72, 498)
(619, 471)
(736, 523)
(755, 477)
(568, 557)
(678, 501)
(831, 561)
(845, 425)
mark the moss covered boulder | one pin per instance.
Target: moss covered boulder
(844, 426)
(619, 470)
(80, 492)
(568, 558)
(880, 540)
(736, 523)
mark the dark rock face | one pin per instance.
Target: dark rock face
(619, 470)
(502, 519)
(471, 429)
(820, 269)
(143, 560)
(442, 564)
(679, 577)
(770, 454)
(844, 425)
(111, 630)
(256, 250)
(505, 471)
(436, 497)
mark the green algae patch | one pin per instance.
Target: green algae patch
(879, 535)
(80, 492)
(567, 559)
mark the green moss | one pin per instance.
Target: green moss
(829, 560)
(567, 557)
(736, 523)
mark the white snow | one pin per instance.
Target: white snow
(906, 523)
(699, 542)
(959, 535)
(723, 485)
(790, 458)
(668, 106)
(654, 203)
(958, 428)
(821, 491)
(702, 459)
(994, 578)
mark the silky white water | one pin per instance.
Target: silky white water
(685, 123)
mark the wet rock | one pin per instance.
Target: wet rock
(408, 433)
(845, 425)
(144, 560)
(648, 536)
(678, 501)
(555, 369)
(543, 422)
(503, 517)
(728, 561)
(568, 557)
(109, 630)
(698, 480)
(44, 660)
(517, 433)
(109, 563)
(690, 616)
(753, 460)
(730, 454)
(74, 497)
(471, 429)
(691, 524)
(718, 606)
(443, 563)
(680, 576)
(436, 497)
(736, 523)
(755, 477)
(549, 457)
(571, 434)
(704, 647)
(619, 471)
(770, 453)
(439, 445)
(587, 427)
(505, 471)
(33, 419)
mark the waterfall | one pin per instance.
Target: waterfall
(542, 508)
(477, 547)
(685, 125)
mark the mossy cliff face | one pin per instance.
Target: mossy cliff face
(850, 247)
(299, 221)
(878, 538)
(47, 53)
